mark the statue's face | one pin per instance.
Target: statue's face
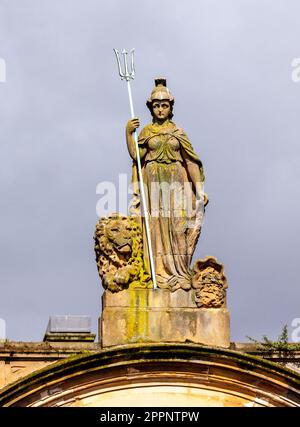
(161, 109)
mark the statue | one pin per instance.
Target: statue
(119, 253)
(173, 178)
(152, 293)
(155, 244)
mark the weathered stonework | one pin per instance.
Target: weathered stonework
(69, 336)
(210, 283)
(119, 253)
(147, 315)
(146, 375)
(18, 359)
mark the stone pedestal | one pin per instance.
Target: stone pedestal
(148, 315)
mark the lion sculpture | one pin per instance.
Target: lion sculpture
(119, 253)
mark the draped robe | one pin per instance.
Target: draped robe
(175, 221)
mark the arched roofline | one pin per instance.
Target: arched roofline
(164, 362)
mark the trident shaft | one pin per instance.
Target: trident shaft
(129, 75)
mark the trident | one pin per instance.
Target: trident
(129, 75)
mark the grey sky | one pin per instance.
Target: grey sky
(62, 115)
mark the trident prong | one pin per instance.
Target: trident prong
(129, 75)
(126, 74)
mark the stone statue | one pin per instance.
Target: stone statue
(173, 177)
(119, 253)
(179, 303)
(173, 181)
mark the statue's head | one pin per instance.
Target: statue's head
(161, 101)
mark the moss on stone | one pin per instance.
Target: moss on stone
(87, 361)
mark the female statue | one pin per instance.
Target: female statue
(173, 179)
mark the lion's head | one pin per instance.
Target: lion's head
(119, 251)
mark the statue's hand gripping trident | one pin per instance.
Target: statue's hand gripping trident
(129, 75)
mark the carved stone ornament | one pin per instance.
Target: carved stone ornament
(210, 283)
(119, 253)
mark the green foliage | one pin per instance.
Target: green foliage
(281, 346)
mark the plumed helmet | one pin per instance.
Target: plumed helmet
(160, 91)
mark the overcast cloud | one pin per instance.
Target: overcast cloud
(63, 110)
